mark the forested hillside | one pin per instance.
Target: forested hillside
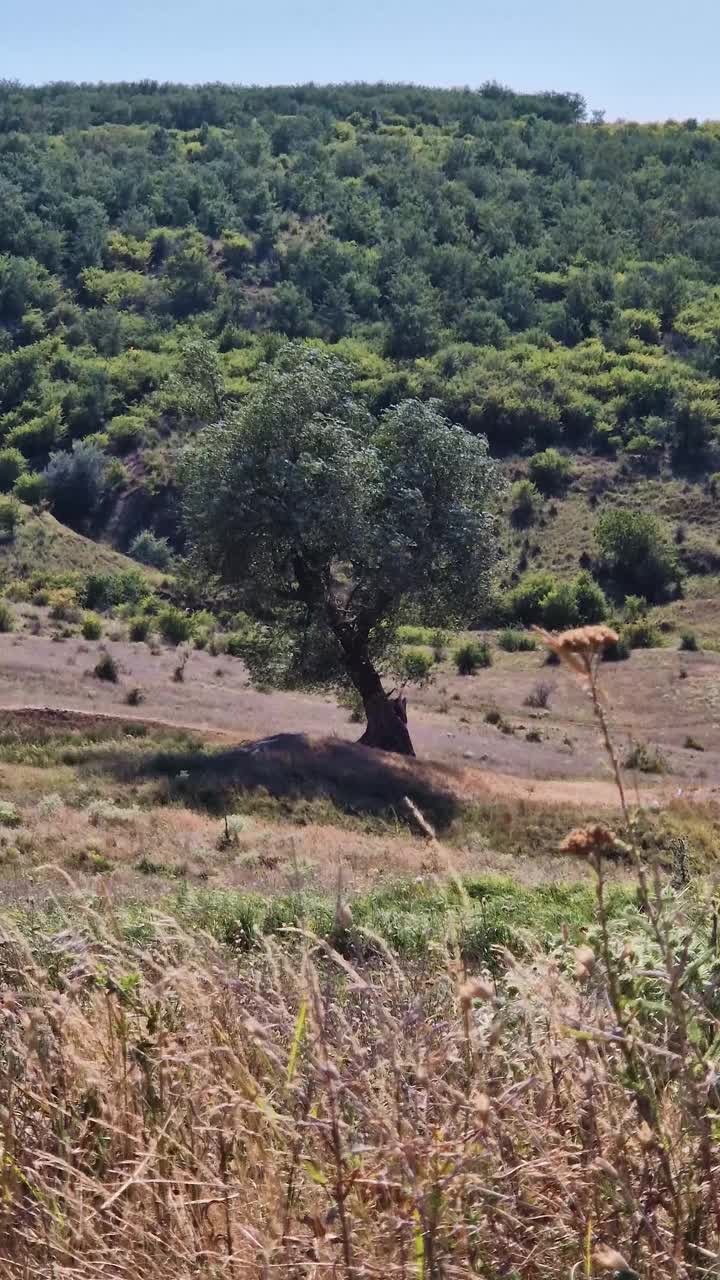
(552, 280)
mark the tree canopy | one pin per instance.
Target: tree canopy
(333, 524)
(553, 281)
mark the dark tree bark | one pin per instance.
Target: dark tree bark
(387, 725)
(386, 717)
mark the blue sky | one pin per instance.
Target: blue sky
(638, 59)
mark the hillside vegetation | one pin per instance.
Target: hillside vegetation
(551, 280)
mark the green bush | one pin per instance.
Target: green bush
(151, 550)
(416, 666)
(411, 634)
(10, 516)
(7, 617)
(12, 466)
(549, 471)
(106, 590)
(526, 599)
(470, 657)
(516, 641)
(638, 553)
(559, 608)
(590, 600)
(689, 642)
(91, 626)
(106, 668)
(174, 626)
(524, 501)
(31, 488)
(618, 651)
(125, 432)
(139, 628)
(76, 482)
(642, 634)
(644, 758)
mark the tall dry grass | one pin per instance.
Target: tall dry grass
(167, 1111)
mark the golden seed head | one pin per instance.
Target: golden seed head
(585, 841)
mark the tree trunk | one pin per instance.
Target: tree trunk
(386, 717)
(387, 724)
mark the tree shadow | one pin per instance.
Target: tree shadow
(295, 772)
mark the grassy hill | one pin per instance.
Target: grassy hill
(552, 280)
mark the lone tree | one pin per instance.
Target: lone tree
(331, 527)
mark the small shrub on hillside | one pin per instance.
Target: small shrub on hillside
(76, 482)
(416, 666)
(134, 696)
(559, 610)
(138, 628)
(30, 488)
(149, 549)
(689, 642)
(638, 552)
(7, 617)
(91, 627)
(642, 634)
(590, 600)
(692, 744)
(470, 657)
(635, 608)
(174, 626)
(524, 502)
(12, 466)
(549, 471)
(526, 599)
(439, 642)
(64, 604)
(9, 816)
(644, 759)
(493, 716)
(106, 668)
(539, 696)
(106, 590)
(10, 516)
(516, 641)
(410, 634)
(179, 671)
(618, 651)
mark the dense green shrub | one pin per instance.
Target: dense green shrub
(92, 626)
(540, 600)
(12, 466)
(7, 617)
(638, 553)
(471, 656)
(174, 626)
(689, 642)
(151, 550)
(642, 634)
(524, 501)
(31, 488)
(549, 471)
(516, 641)
(10, 516)
(416, 666)
(76, 482)
(106, 590)
(525, 601)
(139, 628)
(106, 668)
